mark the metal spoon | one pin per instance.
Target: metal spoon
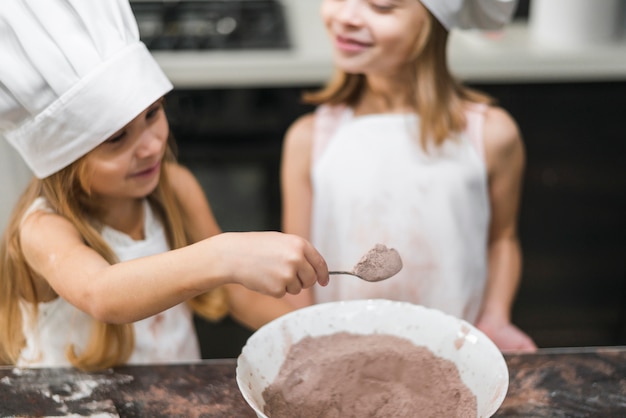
(377, 264)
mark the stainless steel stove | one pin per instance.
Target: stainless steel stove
(211, 24)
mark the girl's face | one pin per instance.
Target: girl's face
(373, 36)
(128, 164)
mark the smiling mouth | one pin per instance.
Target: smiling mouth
(147, 171)
(349, 44)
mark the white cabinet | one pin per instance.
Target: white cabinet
(576, 23)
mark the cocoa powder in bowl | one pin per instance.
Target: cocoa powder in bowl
(345, 375)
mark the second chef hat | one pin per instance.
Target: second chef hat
(472, 14)
(73, 73)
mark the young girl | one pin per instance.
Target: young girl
(112, 237)
(400, 153)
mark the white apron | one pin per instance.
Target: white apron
(163, 338)
(373, 183)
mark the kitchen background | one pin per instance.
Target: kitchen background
(240, 66)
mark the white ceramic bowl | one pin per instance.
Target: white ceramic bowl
(480, 363)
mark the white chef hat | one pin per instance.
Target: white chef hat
(73, 73)
(472, 14)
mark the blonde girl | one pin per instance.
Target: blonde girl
(113, 244)
(399, 152)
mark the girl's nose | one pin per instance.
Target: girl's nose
(349, 12)
(149, 143)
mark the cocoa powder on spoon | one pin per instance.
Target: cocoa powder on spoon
(377, 264)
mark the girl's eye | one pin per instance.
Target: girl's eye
(116, 138)
(154, 111)
(383, 7)
(151, 113)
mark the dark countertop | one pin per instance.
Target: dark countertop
(569, 382)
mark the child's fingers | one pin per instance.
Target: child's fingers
(294, 287)
(307, 276)
(318, 264)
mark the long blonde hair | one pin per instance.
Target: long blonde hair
(65, 192)
(437, 96)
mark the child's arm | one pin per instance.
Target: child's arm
(296, 189)
(197, 214)
(268, 262)
(252, 309)
(505, 162)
